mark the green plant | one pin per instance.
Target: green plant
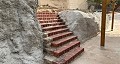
(98, 1)
(118, 2)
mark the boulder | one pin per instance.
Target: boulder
(82, 24)
(20, 33)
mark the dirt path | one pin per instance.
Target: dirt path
(94, 54)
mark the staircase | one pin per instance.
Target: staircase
(61, 46)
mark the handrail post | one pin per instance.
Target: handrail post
(113, 12)
(103, 24)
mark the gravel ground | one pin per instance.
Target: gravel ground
(110, 54)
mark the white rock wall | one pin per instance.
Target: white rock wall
(61, 4)
(80, 4)
(98, 19)
(20, 34)
(80, 23)
(66, 4)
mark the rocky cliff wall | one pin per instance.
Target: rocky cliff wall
(20, 34)
(77, 4)
(61, 4)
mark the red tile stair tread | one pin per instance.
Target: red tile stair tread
(60, 34)
(50, 33)
(52, 23)
(54, 26)
(67, 47)
(47, 13)
(48, 17)
(68, 57)
(57, 30)
(76, 51)
(39, 12)
(61, 41)
(50, 20)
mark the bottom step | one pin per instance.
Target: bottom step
(67, 58)
(64, 59)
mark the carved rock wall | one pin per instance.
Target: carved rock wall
(20, 34)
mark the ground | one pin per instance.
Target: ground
(110, 54)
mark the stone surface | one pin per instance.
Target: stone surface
(61, 4)
(20, 34)
(66, 4)
(82, 24)
(94, 54)
(98, 19)
(78, 4)
(110, 54)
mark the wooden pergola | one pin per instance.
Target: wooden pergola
(103, 24)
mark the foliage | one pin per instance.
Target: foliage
(98, 1)
(118, 1)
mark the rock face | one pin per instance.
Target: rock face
(80, 23)
(98, 19)
(61, 4)
(20, 34)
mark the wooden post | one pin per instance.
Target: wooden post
(113, 11)
(103, 24)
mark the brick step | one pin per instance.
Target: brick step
(50, 28)
(50, 33)
(58, 60)
(63, 41)
(47, 18)
(52, 24)
(66, 48)
(50, 21)
(60, 35)
(47, 15)
(68, 57)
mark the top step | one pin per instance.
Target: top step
(47, 13)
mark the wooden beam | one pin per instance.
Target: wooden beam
(113, 12)
(103, 23)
